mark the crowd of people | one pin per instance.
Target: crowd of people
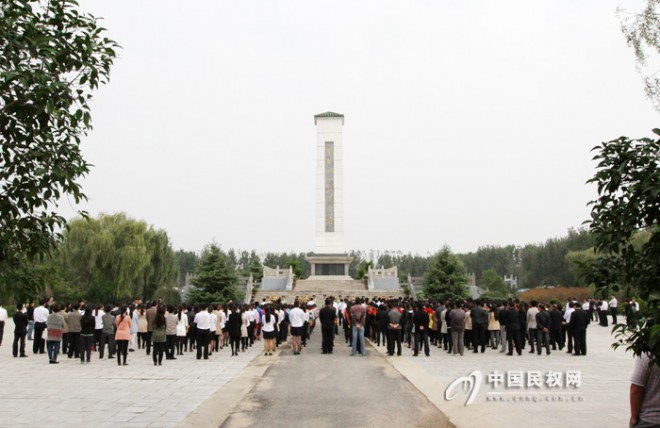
(167, 331)
(162, 331)
(475, 325)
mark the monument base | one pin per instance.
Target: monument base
(329, 267)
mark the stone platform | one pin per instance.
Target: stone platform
(320, 289)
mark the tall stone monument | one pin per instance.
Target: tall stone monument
(329, 260)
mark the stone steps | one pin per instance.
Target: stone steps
(320, 289)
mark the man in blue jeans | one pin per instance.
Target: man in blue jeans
(358, 318)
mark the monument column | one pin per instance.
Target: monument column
(329, 259)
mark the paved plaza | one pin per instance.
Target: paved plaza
(235, 391)
(600, 400)
(103, 394)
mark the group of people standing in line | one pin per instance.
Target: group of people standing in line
(453, 326)
(474, 324)
(161, 330)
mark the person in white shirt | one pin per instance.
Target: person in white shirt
(98, 326)
(268, 322)
(614, 304)
(40, 316)
(203, 321)
(306, 322)
(213, 328)
(341, 308)
(602, 312)
(569, 331)
(252, 316)
(224, 314)
(296, 320)
(3, 319)
(282, 325)
(531, 325)
(181, 330)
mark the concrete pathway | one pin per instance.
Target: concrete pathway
(316, 390)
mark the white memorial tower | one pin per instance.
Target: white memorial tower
(329, 260)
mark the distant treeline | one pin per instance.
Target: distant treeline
(533, 264)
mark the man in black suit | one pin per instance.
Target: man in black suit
(327, 315)
(20, 330)
(556, 336)
(543, 325)
(479, 326)
(513, 329)
(421, 321)
(578, 323)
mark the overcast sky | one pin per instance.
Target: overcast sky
(467, 123)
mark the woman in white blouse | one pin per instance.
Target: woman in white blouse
(244, 328)
(181, 330)
(268, 322)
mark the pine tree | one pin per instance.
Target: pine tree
(446, 277)
(216, 280)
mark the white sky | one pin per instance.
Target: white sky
(468, 123)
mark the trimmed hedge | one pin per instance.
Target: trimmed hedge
(562, 294)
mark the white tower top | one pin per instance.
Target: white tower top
(329, 183)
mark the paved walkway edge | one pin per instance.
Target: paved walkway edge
(433, 390)
(219, 406)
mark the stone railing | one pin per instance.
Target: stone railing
(277, 276)
(249, 286)
(411, 287)
(374, 275)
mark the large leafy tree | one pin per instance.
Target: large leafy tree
(493, 283)
(52, 58)
(642, 33)
(446, 276)
(216, 280)
(628, 181)
(250, 264)
(114, 257)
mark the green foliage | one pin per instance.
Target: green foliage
(628, 182)
(493, 283)
(446, 277)
(580, 263)
(284, 260)
(250, 264)
(52, 58)
(357, 264)
(534, 264)
(114, 257)
(642, 33)
(546, 264)
(187, 263)
(216, 280)
(502, 259)
(169, 295)
(364, 270)
(415, 265)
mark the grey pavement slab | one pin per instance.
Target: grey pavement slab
(36, 393)
(140, 395)
(327, 390)
(600, 400)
